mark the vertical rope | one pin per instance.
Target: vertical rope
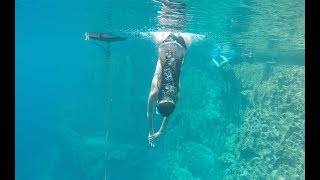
(108, 49)
(106, 158)
(109, 99)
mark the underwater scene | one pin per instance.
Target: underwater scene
(159, 89)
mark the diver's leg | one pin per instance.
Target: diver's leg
(215, 62)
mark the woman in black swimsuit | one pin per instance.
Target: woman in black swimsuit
(172, 47)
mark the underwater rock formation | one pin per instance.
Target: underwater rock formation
(169, 167)
(199, 159)
(271, 137)
(249, 75)
(190, 161)
(228, 125)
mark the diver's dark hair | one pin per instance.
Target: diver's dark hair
(168, 83)
(165, 108)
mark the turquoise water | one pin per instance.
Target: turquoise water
(243, 120)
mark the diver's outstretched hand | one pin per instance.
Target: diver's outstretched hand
(152, 138)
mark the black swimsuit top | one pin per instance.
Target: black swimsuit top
(172, 38)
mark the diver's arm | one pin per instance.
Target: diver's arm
(161, 130)
(153, 95)
(163, 125)
(151, 106)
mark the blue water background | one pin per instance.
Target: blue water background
(64, 82)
